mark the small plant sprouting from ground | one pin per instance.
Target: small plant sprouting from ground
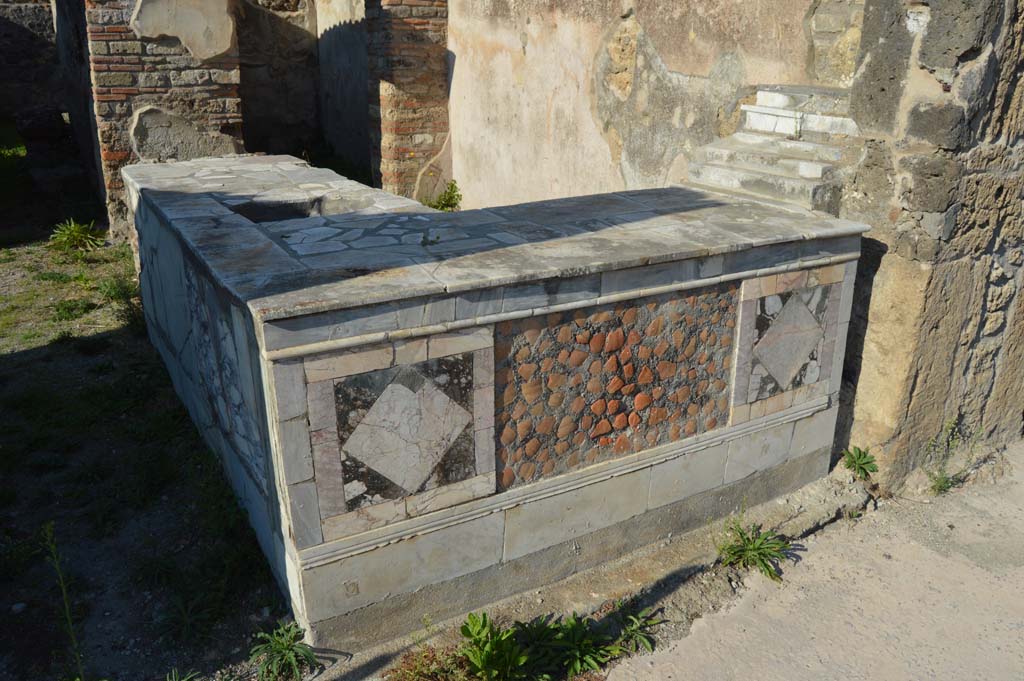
(543, 649)
(72, 235)
(427, 663)
(584, 648)
(860, 462)
(752, 547)
(637, 630)
(281, 654)
(53, 557)
(72, 309)
(122, 291)
(493, 653)
(448, 200)
(175, 675)
(953, 438)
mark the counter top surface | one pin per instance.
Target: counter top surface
(289, 239)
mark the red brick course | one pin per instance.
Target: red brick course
(408, 96)
(128, 72)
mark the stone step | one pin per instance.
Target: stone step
(807, 98)
(789, 147)
(794, 123)
(766, 157)
(814, 194)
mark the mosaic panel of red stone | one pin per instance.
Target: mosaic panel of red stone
(579, 387)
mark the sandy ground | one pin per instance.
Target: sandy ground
(922, 590)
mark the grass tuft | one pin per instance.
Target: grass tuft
(80, 237)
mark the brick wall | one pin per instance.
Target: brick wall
(128, 73)
(408, 95)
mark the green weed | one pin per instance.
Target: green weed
(53, 557)
(448, 200)
(174, 675)
(860, 462)
(122, 292)
(55, 277)
(493, 653)
(637, 630)
(427, 663)
(952, 439)
(74, 236)
(282, 654)
(72, 309)
(584, 648)
(751, 547)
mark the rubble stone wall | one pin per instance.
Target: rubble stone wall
(939, 331)
(28, 58)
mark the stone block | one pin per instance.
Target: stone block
(330, 484)
(483, 367)
(321, 407)
(364, 519)
(347, 363)
(638, 278)
(545, 522)
(296, 455)
(403, 567)
(290, 389)
(478, 303)
(450, 495)
(458, 342)
(484, 449)
(411, 351)
(758, 451)
(305, 515)
(814, 433)
(690, 474)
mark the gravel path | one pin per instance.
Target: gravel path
(922, 590)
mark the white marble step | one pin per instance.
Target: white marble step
(788, 147)
(794, 123)
(814, 194)
(812, 99)
(764, 156)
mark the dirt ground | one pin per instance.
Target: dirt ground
(921, 589)
(163, 571)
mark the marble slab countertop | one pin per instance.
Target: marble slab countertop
(288, 239)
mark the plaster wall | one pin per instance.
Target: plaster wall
(555, 99)
(344, 81)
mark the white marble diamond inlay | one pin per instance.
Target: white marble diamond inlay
(405, 434)
(788, 343)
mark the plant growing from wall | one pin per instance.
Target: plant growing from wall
(72, 235)
(952, 439)
(448, 200)
(860, 462)
(752, 547)
(281, 654)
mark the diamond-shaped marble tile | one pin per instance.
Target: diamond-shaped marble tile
(789, 342)
(406, 433)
